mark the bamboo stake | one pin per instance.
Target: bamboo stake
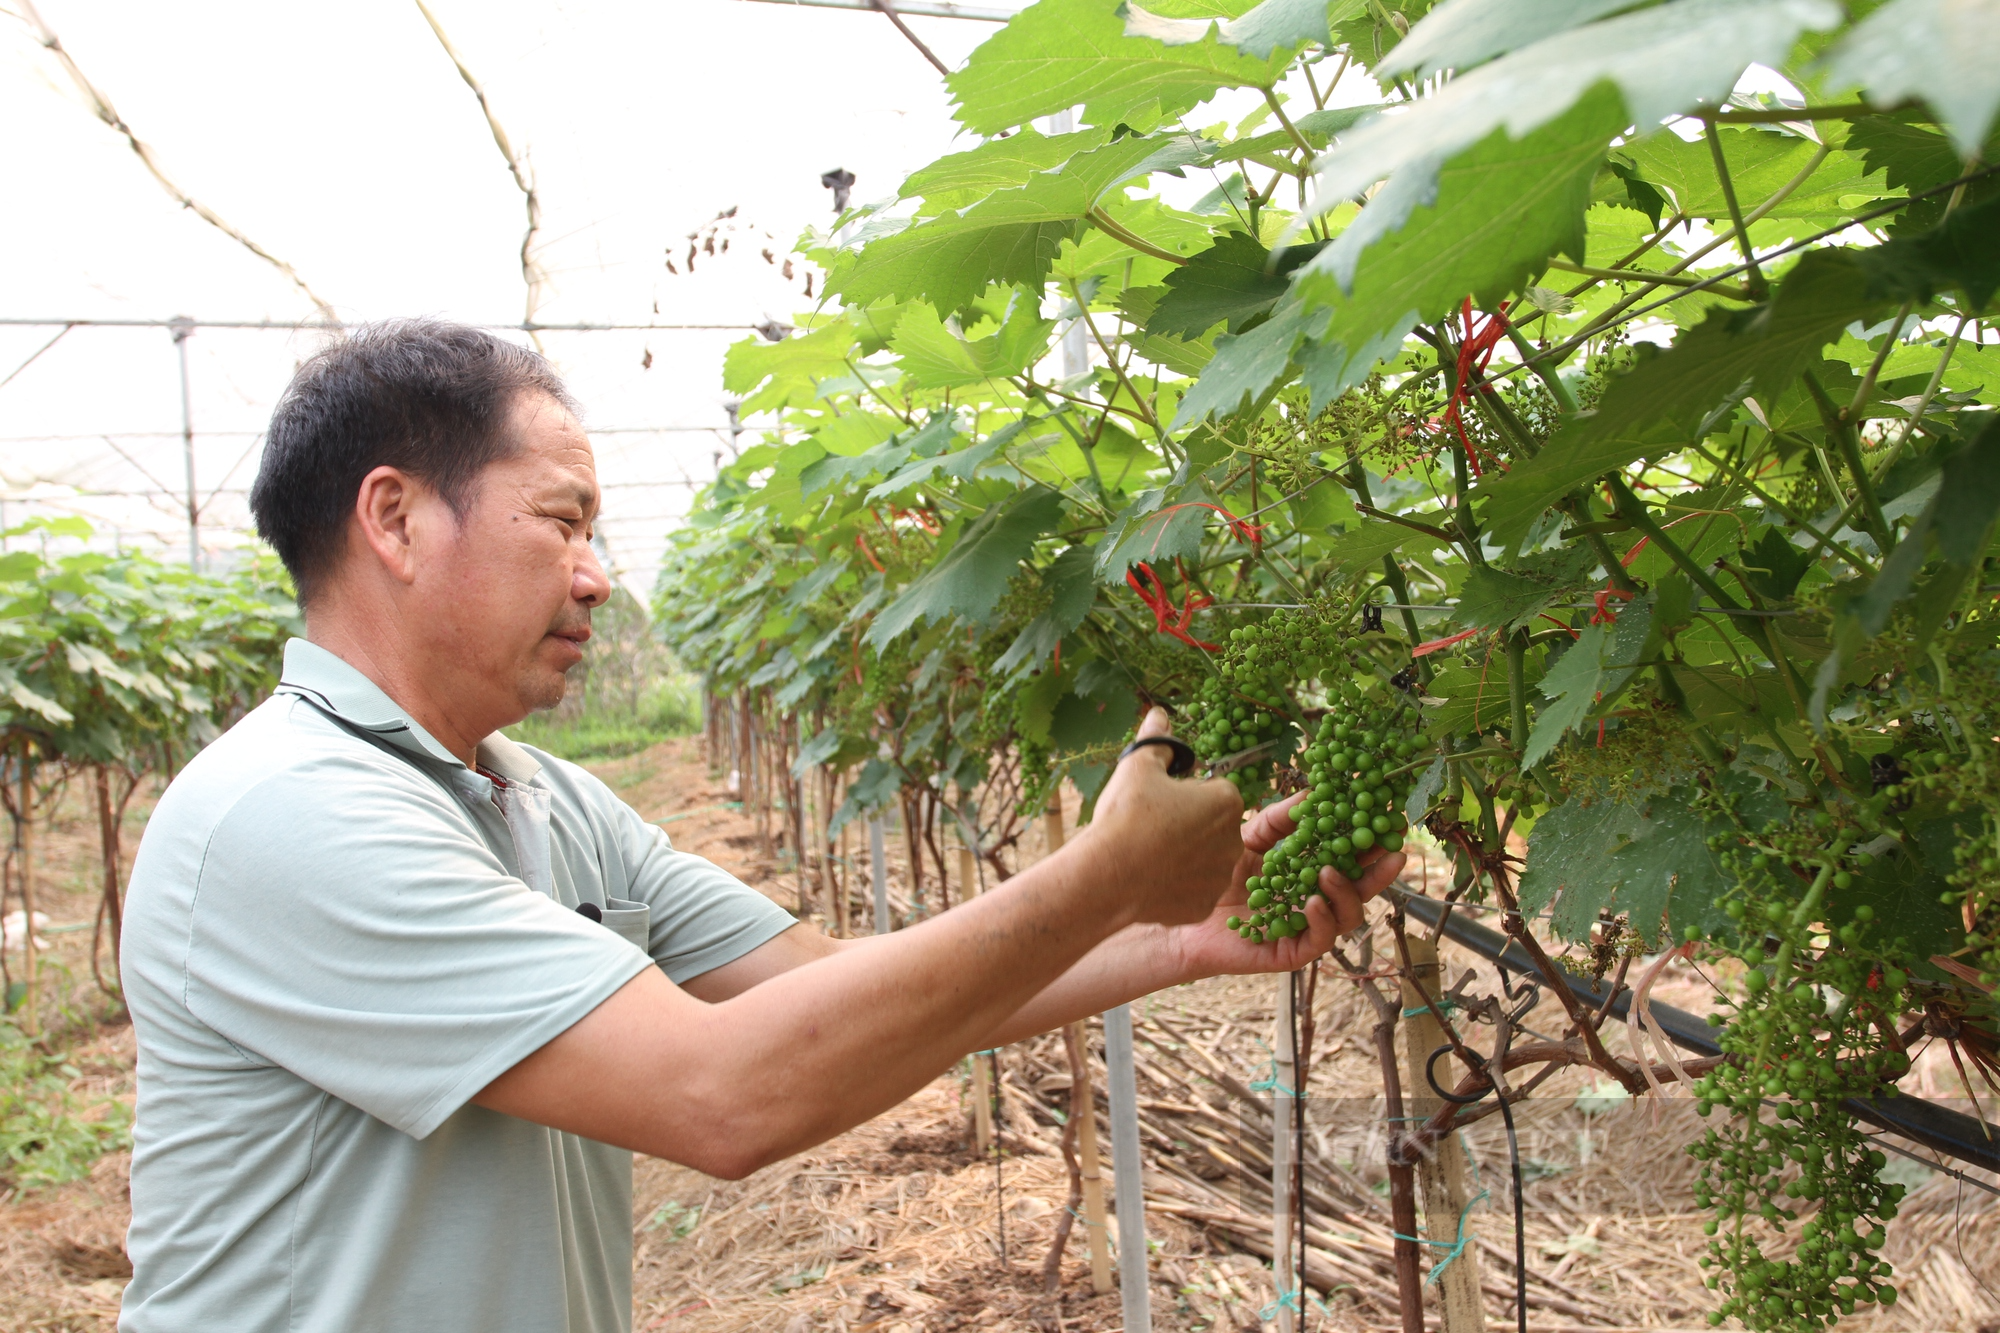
(109, 849)
(1441, 1173)
(1284, 1113)
(1077, 1038)
(982, 1105)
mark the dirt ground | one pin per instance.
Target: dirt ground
(899, 1227)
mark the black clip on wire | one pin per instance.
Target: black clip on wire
(1183, 759)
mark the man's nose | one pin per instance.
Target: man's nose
(590, 584)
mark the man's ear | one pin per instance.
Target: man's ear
(389, 510)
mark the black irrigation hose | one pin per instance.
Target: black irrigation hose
(1936, 1127)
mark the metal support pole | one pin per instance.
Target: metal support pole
(1076, 338)
(878, 870)
(1128, 1171)
(183, 329)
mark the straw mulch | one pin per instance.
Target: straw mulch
(897, 1227)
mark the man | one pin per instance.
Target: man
(408, 995)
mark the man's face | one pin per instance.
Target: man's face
(510, 589)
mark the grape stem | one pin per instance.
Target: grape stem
(1579, 1021)
(1802, 916)
(1402, 1174)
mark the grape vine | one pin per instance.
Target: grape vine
(1582, 454)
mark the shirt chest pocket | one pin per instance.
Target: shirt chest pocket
(630, 920)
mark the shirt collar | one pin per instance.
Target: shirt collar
(336, 688)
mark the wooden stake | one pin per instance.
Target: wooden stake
(982, 1105)
(109, 851)
(1441, 1175)
(1284, 1110)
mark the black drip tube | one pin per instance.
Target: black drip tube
(1950, 1132)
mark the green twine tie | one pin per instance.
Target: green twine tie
(1453, 1248)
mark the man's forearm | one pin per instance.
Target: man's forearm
(799, 1047)
(1134, 962)
(790, 1062)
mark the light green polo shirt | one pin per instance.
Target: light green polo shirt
(336, 936)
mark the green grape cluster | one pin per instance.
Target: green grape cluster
(1358, 768)
(1248, 720)
(1244, 709)
(1804, 1036)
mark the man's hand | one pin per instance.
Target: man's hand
(1210, 948)
(1167, 845)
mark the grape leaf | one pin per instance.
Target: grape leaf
(1483, 225)
(1958, 252)
(1057, 54)
(1903, 885)
(1232, 282)
(1664, 60)
(1082, 721)
(884, 459)
(1960, 516)
(1182, 356)
(1665, 401)
(1760, 162)
(1911, 157)
(1246, 365)
(1425, 791)
(1147, 532)
(935, 356)
(1458, 34)
(787, 373)
(962, 464)
(1264, 29)
(965, 178)
(1106, 257)
(1365, 547)
(1648, 860)
(1071, 579)
(970, 579)
(1477, 697)
(1504, 599)
(874, 788)
(1588, 676)
(1010, 237)
(1942, 51)
(817, 751)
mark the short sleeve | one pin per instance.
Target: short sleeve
(702, 916)
(351, 927)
